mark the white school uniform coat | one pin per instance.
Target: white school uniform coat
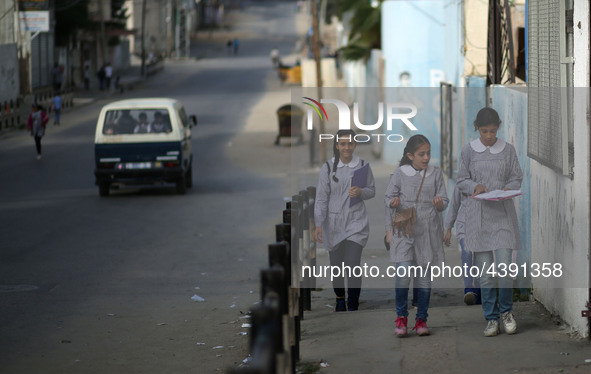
(426, 244)
(455, 214)
(332, 212)
(490, 225)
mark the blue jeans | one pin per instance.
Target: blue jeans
(57, 115)
(492, 304)
(347, 253)
(422, 287)
(470, 284)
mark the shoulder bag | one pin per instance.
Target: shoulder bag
(405, 219)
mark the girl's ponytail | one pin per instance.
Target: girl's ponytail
(335, 151)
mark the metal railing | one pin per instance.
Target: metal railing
(285, 295)
(14, 113)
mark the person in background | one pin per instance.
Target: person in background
(455, 216)
(36, 125)
(126, 123)
(275, 57)
(236, 44)
(143, 126)
(159, 124)
(86, 77)
(101, 77)
(57, 76)
(108, 75)
(56, 107)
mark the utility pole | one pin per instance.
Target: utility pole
(143, 46)
(103, 37)
(317, 58)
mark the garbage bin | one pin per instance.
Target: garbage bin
(290, 123)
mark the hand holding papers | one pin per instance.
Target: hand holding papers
(358, 179)
(498, 195)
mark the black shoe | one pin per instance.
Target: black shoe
(470, 298)
(341, 306)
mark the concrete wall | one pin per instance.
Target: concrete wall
(156, 32)
(9, 75)
(511, 103)
(7, 24)
(413, 41)
(475, 37)
(453, 42)
(561, 206)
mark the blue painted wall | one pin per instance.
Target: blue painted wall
(413, 40)
(511, 103)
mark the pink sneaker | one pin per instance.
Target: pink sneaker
(400, 329)
(421, 327)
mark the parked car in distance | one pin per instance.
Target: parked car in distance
(143, 141)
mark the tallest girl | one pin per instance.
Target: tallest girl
(489, 163)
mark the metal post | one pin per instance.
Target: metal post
(143, 69)
(317, 58)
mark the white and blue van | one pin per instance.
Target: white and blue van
(143, 141)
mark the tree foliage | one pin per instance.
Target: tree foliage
(72, 15)
(69, 17)
(364, 22)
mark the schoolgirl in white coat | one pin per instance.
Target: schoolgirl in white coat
(343, 229)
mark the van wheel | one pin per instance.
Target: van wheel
(104, 188)
(189, 177)
(181, 185)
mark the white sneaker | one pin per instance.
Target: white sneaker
(492, 328)
(509, 324)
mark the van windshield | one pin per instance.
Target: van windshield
(137, 121)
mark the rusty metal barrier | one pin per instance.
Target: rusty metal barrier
(276, 321)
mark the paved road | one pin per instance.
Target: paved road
(104, 285)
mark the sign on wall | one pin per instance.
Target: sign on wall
(33, 5)
(35, 21)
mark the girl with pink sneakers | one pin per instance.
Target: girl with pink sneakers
(415, 183)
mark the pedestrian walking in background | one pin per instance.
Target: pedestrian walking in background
(36, 125)
(455, 216)
(415, 184)
(230, 46)
(236, 44)
(101, 77)
(57, 77)
(108, 75)
(342, 223)
(492, 231)
(87, 77)
(56, 107)
(275, 57)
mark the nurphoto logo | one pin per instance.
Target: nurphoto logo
(393, 112)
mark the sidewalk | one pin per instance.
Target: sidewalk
(364, 341)
(129, 78)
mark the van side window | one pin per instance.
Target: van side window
(184, 118)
